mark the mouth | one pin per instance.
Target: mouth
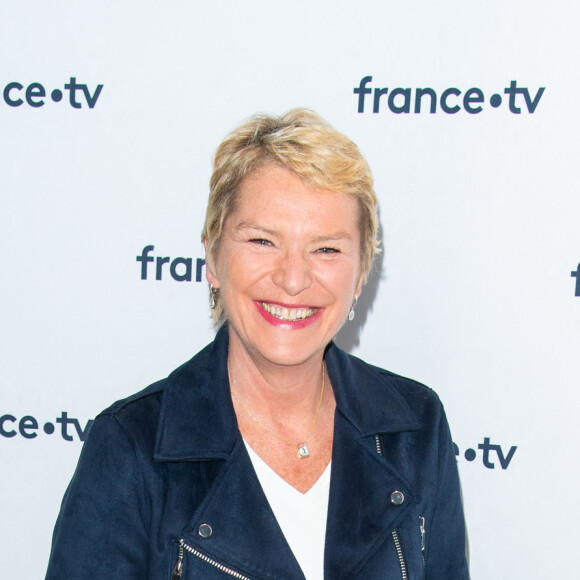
(288, 314)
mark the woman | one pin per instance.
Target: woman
(272, 454)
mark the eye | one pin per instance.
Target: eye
(327, 250)
(260, 241)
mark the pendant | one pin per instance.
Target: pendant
(303, 451)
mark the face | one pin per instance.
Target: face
(288, 266)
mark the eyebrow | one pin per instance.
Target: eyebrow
(253, 226)
(331, 237)
(340, 235)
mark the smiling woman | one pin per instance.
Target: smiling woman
(272, 453)
(288, 251)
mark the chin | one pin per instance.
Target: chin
(290, 350)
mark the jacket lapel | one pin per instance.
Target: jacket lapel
(360, 512)
(245, 534)
(361, 515)
(197, 419)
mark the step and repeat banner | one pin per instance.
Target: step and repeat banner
(468, 114)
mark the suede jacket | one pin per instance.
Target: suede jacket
(164, 488)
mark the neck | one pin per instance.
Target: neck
(277, 389)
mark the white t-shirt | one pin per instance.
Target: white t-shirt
(301, 516)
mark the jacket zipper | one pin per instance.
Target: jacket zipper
(422, 530)
(378, 444)
(401, 556)
(396, 539)
(178, 570)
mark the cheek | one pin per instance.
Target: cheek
(242, 269)
(341, 280)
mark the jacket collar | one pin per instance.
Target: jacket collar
(197, 419)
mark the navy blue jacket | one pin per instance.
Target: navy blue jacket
(164, 487)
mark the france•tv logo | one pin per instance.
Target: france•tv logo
(576, 274)
(29, 427)
(451, 100)
(491, 455)
(35, 94)
(180, 269)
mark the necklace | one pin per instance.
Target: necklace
(301, 447)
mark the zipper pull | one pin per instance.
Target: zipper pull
(422, 529)
(178, 570)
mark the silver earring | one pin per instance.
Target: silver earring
(213, 292)
(351, 313)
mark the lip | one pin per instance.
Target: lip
(287, 324)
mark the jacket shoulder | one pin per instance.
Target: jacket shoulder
(153, 390)
(405, 386)
(380, 400)
(151, 395)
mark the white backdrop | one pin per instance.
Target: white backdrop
(475, 293)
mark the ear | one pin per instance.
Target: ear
(210, 275)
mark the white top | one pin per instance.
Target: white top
(301, 516)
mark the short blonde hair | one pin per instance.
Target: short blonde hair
(302, 142)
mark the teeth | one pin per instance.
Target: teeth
(290, 314)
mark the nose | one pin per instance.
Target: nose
(293, 272)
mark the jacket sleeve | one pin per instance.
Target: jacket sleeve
(100, 531)
(446, 554)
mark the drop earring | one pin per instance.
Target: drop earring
(213, 292)
(351, 313)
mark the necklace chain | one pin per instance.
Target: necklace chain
(301, 447)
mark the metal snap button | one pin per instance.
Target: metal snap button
(397, 498)
(205, 531)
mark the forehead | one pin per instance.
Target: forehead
(274, 193)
